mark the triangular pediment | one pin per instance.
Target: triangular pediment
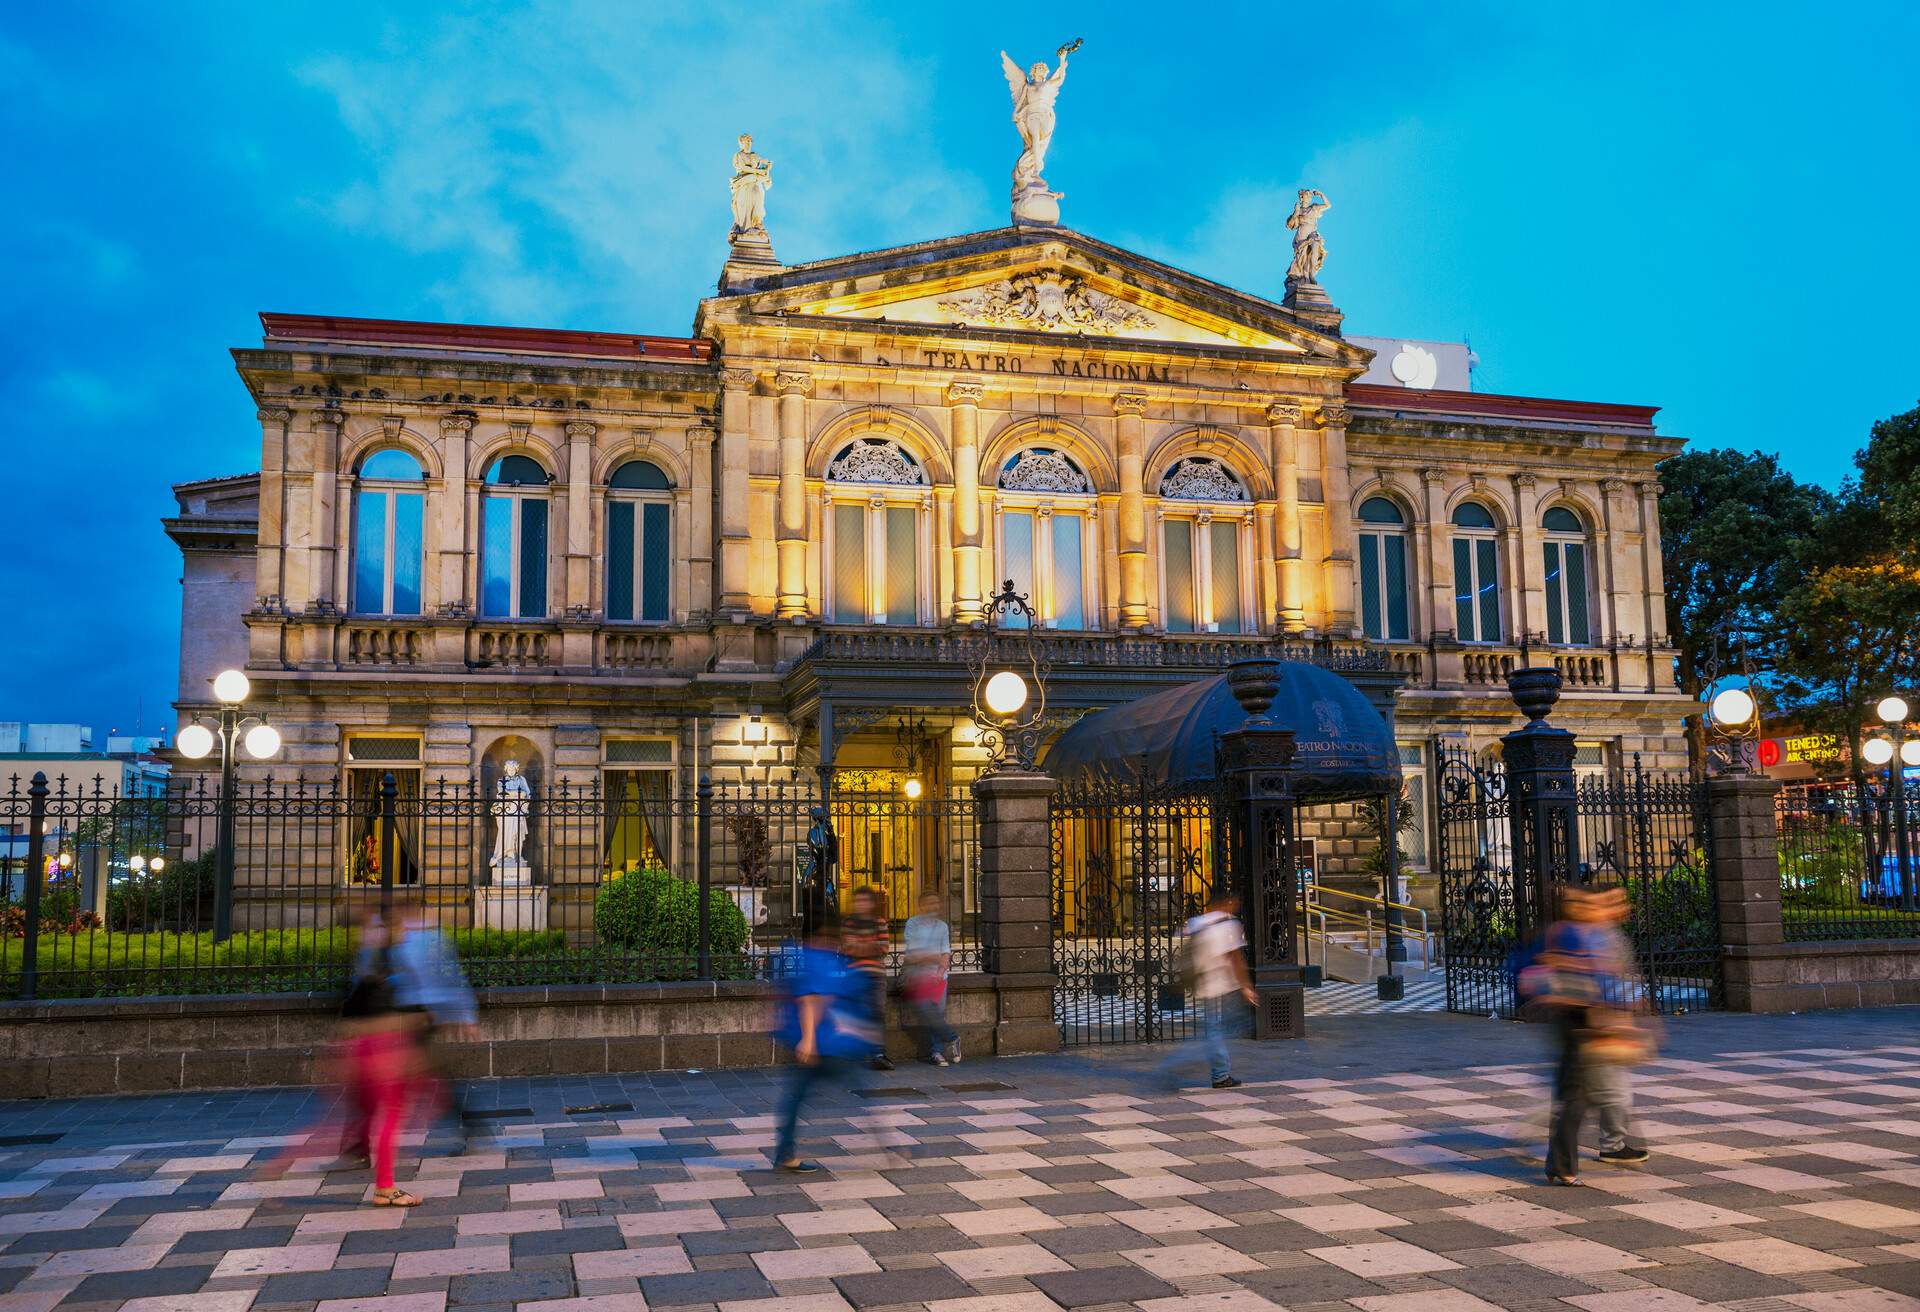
(1053, 282)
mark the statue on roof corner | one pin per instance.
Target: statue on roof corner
(1034, 93)
(1309, 249)
(752, 180)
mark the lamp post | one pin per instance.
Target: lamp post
(1896, 752)
(1009, 684)
(234, 727)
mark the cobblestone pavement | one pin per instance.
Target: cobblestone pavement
(1389, 1164)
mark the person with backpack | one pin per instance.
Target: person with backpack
(1214, 963)
(825, 1023)
(383, 1059)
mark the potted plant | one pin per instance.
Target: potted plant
(752, 849)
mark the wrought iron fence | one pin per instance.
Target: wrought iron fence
(1131, 865)
(1841, 875)
(562, 882)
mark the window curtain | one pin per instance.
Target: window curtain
(1225, 580)
(639, 819)
(850, 564)
(1179, 567)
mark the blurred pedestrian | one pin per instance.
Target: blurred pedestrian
(866, 939)
(826, 1024)
(1216, 967)
(383, 1061)
(923, 982)
(428, 980)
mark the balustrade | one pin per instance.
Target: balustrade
(383, 644)
(512, 647)
(634, 650)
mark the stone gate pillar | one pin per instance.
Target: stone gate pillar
(1744, 848)
(1545, 830)
(1016, 900)
(1256, 768)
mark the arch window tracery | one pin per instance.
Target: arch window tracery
(878, 534)
(1205, 587)
(1047, 547)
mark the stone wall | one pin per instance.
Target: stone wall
(148, 1045)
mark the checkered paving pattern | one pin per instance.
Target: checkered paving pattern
(1340, 999)
(1784, 1180)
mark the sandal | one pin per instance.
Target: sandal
(395, 1197)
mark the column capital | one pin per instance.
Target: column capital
(737, 380)
(959, 393)
(1613, 486)
(330, 414)
(1651, 487)
(1332, 415)
(793, 382)
(1283, 412)
(456, 425)
(1525, 482)
(273, 414)
(1130, 403)
(581, 430)
(1430, 477)
(701, 433)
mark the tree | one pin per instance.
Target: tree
(1736, 532)
(1888, 488)
(1846, 639)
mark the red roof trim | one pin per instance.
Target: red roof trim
(1374, 397)
(483, 337)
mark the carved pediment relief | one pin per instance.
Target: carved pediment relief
(1050, 302)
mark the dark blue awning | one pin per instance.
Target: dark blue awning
(1343, 747)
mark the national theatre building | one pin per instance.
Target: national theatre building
(754, 552)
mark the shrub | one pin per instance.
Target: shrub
(650, 910)
(1821, 863)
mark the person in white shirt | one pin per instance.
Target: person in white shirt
(1217, 943)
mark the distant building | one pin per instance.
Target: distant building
(128, 766)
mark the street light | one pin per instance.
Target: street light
(1732, 708)
(1009, 683)
(1892, 711)
(234, 728)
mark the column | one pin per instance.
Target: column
(1746, 876)
(963, 408)
(700, 439)
(1527, 571)
(1621, 608)
(450, 514)
(1016, 923)
(1654, 580)
(1129, 409)
(579, 552)
(735, 538)
(1339, 497)
(270, 585)
(790, 521)
(1544, 826)
(321, 594)
(1283, 435)
(1438, 555)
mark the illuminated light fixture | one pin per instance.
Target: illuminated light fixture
(194, 741)
(137, 862)
(1892, 710)
(158, 864)
(66, 860)
(231, 687)
(263, 740)
(1877, 751)
(1732, 707)
(1910, 752)
(912, 789)
(1006, 693)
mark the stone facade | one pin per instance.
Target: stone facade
(828, 450)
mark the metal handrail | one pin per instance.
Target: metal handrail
(1346, 916)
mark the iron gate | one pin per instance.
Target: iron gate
(1641, 831)
(1130, 866)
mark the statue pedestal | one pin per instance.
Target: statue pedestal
(1036, 205)
(510, 906)
(749, 256)
(1309, 301)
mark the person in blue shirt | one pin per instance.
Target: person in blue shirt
(826, 1022)
(427, 979)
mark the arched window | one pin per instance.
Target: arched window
(639, 543)
(1203, 583)
(389, 544)
(876, 506)
(1044, 514)
(1383, 571)
(1476, 574)
(1565, 549)
(513, 540)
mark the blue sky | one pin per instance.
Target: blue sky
(1704, 207)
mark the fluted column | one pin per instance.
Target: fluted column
(451, 514)
(736, 538)
(579, 559)
(963, 405)
(1339, 495)
(1528, 569)
(1283, 435)
(1130, 409)
(1438, 541)
(270, 584)
(327, 425)
(791, 520)
(1615, 545)
(1654, 576)
(700, 538)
